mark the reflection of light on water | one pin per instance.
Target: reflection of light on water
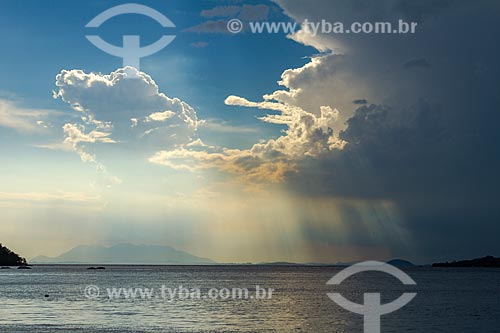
(295, 301)
(299, 303)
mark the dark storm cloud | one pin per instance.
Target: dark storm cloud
(443, 177)
(430, 144)
(422, 9)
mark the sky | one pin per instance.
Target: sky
(251, 147)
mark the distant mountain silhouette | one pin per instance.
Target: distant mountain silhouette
(400, 263)
(9, 258)
(124, 254)
(488, 261)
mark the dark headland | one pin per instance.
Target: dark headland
(488, 261)
(9, 258)
(400, 263)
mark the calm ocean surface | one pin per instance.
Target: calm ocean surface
(448, 300)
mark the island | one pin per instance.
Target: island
(400, 263)
(9, 258)
(488, 261)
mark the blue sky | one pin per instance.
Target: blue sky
(248, 64)
(252, 147)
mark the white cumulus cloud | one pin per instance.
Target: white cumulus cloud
(124, 107)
